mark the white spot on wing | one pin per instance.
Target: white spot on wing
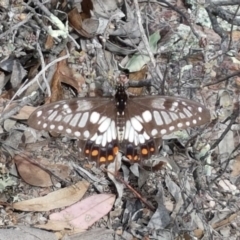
(136, 139)
(109, 134)
(171, 128)
(83, 105)
(147, 116)
(58, 118)
(77, 134)
(141, 138)
(158, 118)
(68, 130)
(104, 139)
(83, 120)
(163, 131)
(99, 139)
(154, 132)
(188, 123)
(136, 124)
(173, 115)
(52, 116)
(94, 137)
(139, 119)
(188, 113)
(39, 113)
(175, 104)
(52, 126)
(69, 110)
(166, 117)
(104, 125)
(145, 135)
(60, 127)
(113, 130)
(44, 125)
(102, 119)
(179, 125)
(194, 121)
(67, 118)
(94, 117)
(86, 134)
(131, 134)
(75, 119)
(127, 129)
(200, 109)
(182, 115)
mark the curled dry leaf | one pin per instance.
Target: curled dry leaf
(58, 199)
(85, 213)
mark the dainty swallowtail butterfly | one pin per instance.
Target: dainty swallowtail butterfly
(105, 125)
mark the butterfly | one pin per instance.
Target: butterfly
(134, 125)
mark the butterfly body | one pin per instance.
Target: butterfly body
(105, 125)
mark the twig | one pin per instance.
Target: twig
(132, 189)
(143, 35)
(222, 79)
(43, 67)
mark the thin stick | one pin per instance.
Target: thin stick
(143, 35)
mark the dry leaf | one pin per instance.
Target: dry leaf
(75, 21)
(31, 173)
(58, 199)
(236, 167)
(24, 113)
(64, 74)
(85, 213)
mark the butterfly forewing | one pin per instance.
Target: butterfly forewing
(77, 118)
(160, 115)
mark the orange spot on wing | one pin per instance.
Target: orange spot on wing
(136, 158)
(94, 153)
(152, 149)
(102, 159)
(110, 158)
(129, 157)
(144, 151)
(115, 150)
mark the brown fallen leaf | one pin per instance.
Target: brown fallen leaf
(32, 173)
(24, 113)
(85, 213)
(236, 167)
(58, 199)
(67, 75)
